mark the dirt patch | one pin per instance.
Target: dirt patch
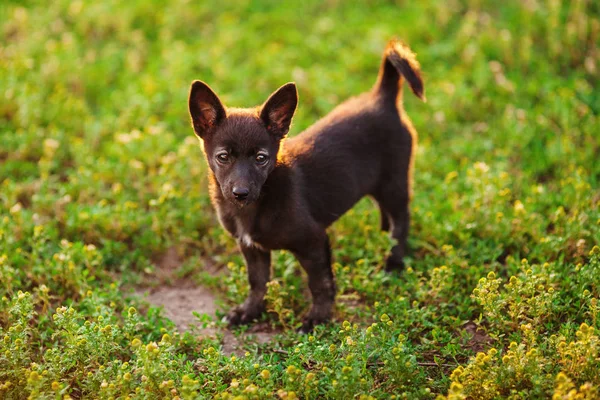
(478, 340)
(167, 265)
(179, 301)
(180, 297)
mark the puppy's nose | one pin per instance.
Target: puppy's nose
(240, 193)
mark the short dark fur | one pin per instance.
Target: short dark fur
(283, 194)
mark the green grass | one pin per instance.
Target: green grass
(100, 174)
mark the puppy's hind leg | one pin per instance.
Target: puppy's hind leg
(394, 197)
(385, 218)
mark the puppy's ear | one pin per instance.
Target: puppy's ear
(206, 109)
(278, 110)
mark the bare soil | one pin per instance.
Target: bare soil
(479, 340)
(180, 300)
(178, 297)
(181, 297)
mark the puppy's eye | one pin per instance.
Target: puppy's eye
(223, 157)
(261, 158)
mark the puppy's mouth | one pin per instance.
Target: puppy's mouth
(240, 203)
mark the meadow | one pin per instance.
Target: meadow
(101, 176)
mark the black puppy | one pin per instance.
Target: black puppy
(274, 194)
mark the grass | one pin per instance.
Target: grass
(100, 174)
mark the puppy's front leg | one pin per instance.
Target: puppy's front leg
(315, 258)
(258, 264)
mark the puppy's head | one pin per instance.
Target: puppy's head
(241, 145)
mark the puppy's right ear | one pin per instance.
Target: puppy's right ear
(278, 110)
(206, 109)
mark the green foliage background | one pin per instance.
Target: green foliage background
(100, 174)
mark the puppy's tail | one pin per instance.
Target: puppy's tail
(399, 62)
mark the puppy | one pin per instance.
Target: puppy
(271, 193)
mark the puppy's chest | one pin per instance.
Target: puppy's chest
(252, 231)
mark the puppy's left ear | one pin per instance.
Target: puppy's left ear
(278, 110)
(206, 109)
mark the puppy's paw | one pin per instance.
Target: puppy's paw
(394, 266)
(308, 324)
(242, 315)
(313, 319)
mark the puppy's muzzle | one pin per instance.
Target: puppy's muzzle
(240, 193)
